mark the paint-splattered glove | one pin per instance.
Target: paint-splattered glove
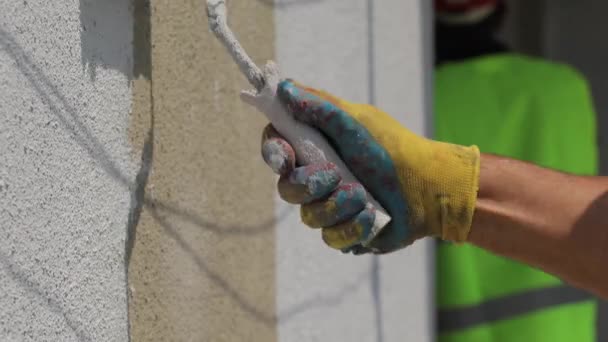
(429, 188)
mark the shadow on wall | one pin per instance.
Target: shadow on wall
(22, 278)
(163, 213)
(69, 118)
(102, 36)
(142, 39)
(142, 67)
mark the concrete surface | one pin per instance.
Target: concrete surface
(123, 145)
(366, 51)
(65, 169)
(203, 257)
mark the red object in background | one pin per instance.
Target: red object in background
(460, 6)
(465, 12)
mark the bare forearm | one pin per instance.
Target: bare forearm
(547, 219)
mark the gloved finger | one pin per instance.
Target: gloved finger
(277, 152)
(350, 233)
(392, 239)
(344, 203)
(309, 183)
(313, 107)
(385, 242)
(365, 157)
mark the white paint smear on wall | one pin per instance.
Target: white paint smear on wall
(323, 295)
(65, 169)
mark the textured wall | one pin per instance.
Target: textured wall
(123, 145)
(366, 51)
(202, 265)
(65, 169)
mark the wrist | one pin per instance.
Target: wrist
(451, 176)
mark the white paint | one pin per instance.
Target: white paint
(323, 295)
(218, 23)
(65, 165)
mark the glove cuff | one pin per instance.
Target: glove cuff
(455, 191)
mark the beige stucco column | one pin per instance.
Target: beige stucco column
(202, 265)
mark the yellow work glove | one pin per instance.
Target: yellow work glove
(429, 188)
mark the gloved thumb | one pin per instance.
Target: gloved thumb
(277, 152)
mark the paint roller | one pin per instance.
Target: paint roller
(310, 146)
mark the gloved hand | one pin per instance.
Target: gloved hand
(429, 188)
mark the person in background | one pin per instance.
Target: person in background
(525, 108)
(507, 104)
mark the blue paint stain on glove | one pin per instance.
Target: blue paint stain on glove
(367, 160)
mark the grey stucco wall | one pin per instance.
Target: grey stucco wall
(65, 169)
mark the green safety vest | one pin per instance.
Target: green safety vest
(532, 110)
